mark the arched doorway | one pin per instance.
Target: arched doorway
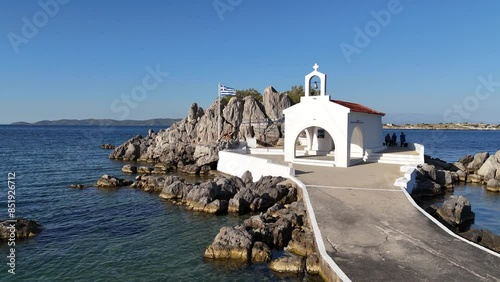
(357, 145)
(315, 144)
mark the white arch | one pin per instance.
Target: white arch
(357, 143)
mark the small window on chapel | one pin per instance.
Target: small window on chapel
(321, 133)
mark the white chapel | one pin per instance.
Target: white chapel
(335, 133)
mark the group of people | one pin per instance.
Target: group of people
(393, 140)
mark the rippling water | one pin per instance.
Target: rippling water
(450, 146)
(99, 234)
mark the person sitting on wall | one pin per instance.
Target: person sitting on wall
(387, 139)
(394, 139)
(402, 138)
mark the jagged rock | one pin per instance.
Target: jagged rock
(489, 169)
(107, 181)
(312, 264)
(484, 238)
(230, 243)
(474, 178)
(216, 207)
(261, 252)
(258, 196)
(302, 242)
(462, 175)
(458, 166)
(466, 160)
(493, 185)
(427, 188)
(107, 146)
(275, 103)
(247, 178)
(173, 190)
(456, 212)
(206, 155)
(292, 264)
(78, 186)
(21, 227)
(444, 178)
(426, 171)
(438, 163)
(129, 169)
(477, 162)
(163, 168)
(144, 170)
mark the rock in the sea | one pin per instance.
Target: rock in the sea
(107, 181)
(445, 178)
(427, 188)
(144, 170)
(477, 162)
(484, 238)
(426, 171)
(456, 212)
(107, 146)
(21, 227)
(489, 169)
(292, 264)
(474, 178)
(261, 252)
(78, 186)
(231, 243)
(302, 242)
(129, 169)
(312, 264)
(493, 185)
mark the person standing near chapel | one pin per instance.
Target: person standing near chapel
(402, 138)
(394, 139)
(387, 139)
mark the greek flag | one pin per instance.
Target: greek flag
(227, 91)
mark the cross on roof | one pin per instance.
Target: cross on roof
(315, 67)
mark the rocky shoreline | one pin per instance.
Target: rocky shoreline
(436, 177)
(23, 229)
(279, 222)
(192, 145)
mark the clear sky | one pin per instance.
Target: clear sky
(85, 58)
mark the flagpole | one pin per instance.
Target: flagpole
(218, 113)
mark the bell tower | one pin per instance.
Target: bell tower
(322, 81)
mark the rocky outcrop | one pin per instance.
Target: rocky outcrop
(129, 169)
(291, 264)
(477, 162)
(282, 226)
(78, 186)
(107, 181)
(107, 146)
(456, 213)
(21, 227)
(484, 238)
(231, 243)
(192, 144)
(493, 185)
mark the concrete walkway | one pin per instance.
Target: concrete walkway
(374, 233)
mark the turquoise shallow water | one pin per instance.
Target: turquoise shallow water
(97, 234)
(129, 235)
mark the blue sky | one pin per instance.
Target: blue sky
(86, 56)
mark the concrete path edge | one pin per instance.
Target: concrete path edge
(439, 224)
(325, 258)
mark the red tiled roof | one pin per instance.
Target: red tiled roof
(358, 108)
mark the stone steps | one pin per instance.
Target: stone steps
(388, 158)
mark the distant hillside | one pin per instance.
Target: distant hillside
(104, 122)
